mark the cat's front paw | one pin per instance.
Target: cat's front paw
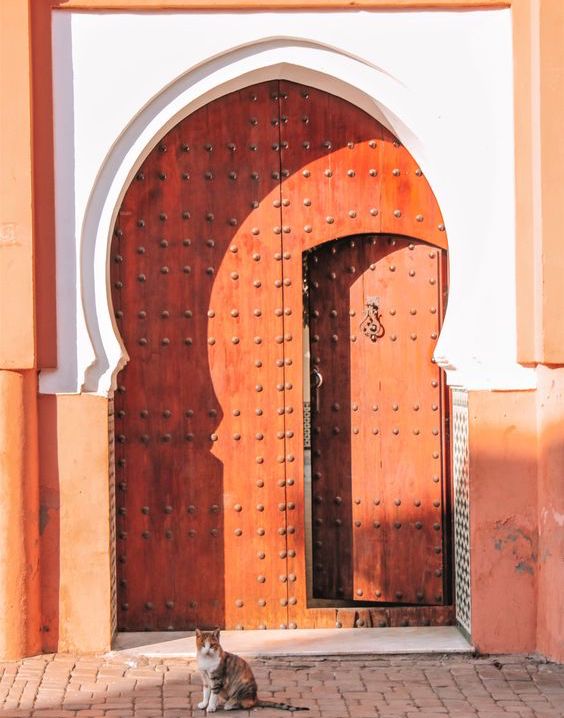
(212, 709)
(203, 704)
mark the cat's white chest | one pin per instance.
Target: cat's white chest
(208, 664)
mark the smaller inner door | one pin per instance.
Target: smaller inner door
(379, 501)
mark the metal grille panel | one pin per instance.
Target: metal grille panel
(112, 490)
(307, 425)
(461, 508)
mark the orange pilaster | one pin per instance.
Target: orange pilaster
(19, 517)
(502, 442)
(19, 506)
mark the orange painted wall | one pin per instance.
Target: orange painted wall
(552, 163)
(19, 537)
(503, 520)
(75, 523)
(538, 29)
(43, 183)
(19, 541)
(17, 301)
(550, 611)
(528, 227)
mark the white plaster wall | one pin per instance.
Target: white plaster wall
(441, 81)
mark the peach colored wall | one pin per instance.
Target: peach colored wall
(19, 540)
(552, 162)
(539, 108)
(538, 28)
(550, 612)
(43, 183)
(503, 520)
(19, 537)
(75, 523)
(17, 313)
(528, 226)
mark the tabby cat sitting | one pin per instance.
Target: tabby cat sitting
(228, 677)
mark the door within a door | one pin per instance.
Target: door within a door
(379, 503)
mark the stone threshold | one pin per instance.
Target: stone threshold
(302, 642)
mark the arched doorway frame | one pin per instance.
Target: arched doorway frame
(90, 353)
(101, 353)
(166, 110)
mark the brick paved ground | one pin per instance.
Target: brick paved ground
(359, 687)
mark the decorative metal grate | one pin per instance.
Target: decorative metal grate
(461, 508)
(307, 425)
(112, 492)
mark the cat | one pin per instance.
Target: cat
(228, 676)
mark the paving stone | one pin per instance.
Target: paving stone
(343, 687)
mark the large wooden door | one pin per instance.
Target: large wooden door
(207, 285)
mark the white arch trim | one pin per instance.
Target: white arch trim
(477, 343)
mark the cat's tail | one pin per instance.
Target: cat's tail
(282, 706)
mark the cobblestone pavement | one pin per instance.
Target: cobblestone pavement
(357, 687)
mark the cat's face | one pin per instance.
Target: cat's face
(207, 642)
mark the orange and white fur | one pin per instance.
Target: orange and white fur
(227, 677)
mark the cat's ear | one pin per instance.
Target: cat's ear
(198, 633)
(216, 634)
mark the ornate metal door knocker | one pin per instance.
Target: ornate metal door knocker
(371, 323)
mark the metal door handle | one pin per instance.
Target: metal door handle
(316, 382)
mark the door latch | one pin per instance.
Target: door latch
(316, 382)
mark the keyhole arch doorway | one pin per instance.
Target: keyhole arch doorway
(206, 272)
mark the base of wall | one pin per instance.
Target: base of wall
(19, 505)
(550, 562)
(511, 564)
(503, 521)
(75, 523)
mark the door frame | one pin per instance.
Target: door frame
(361, 614)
